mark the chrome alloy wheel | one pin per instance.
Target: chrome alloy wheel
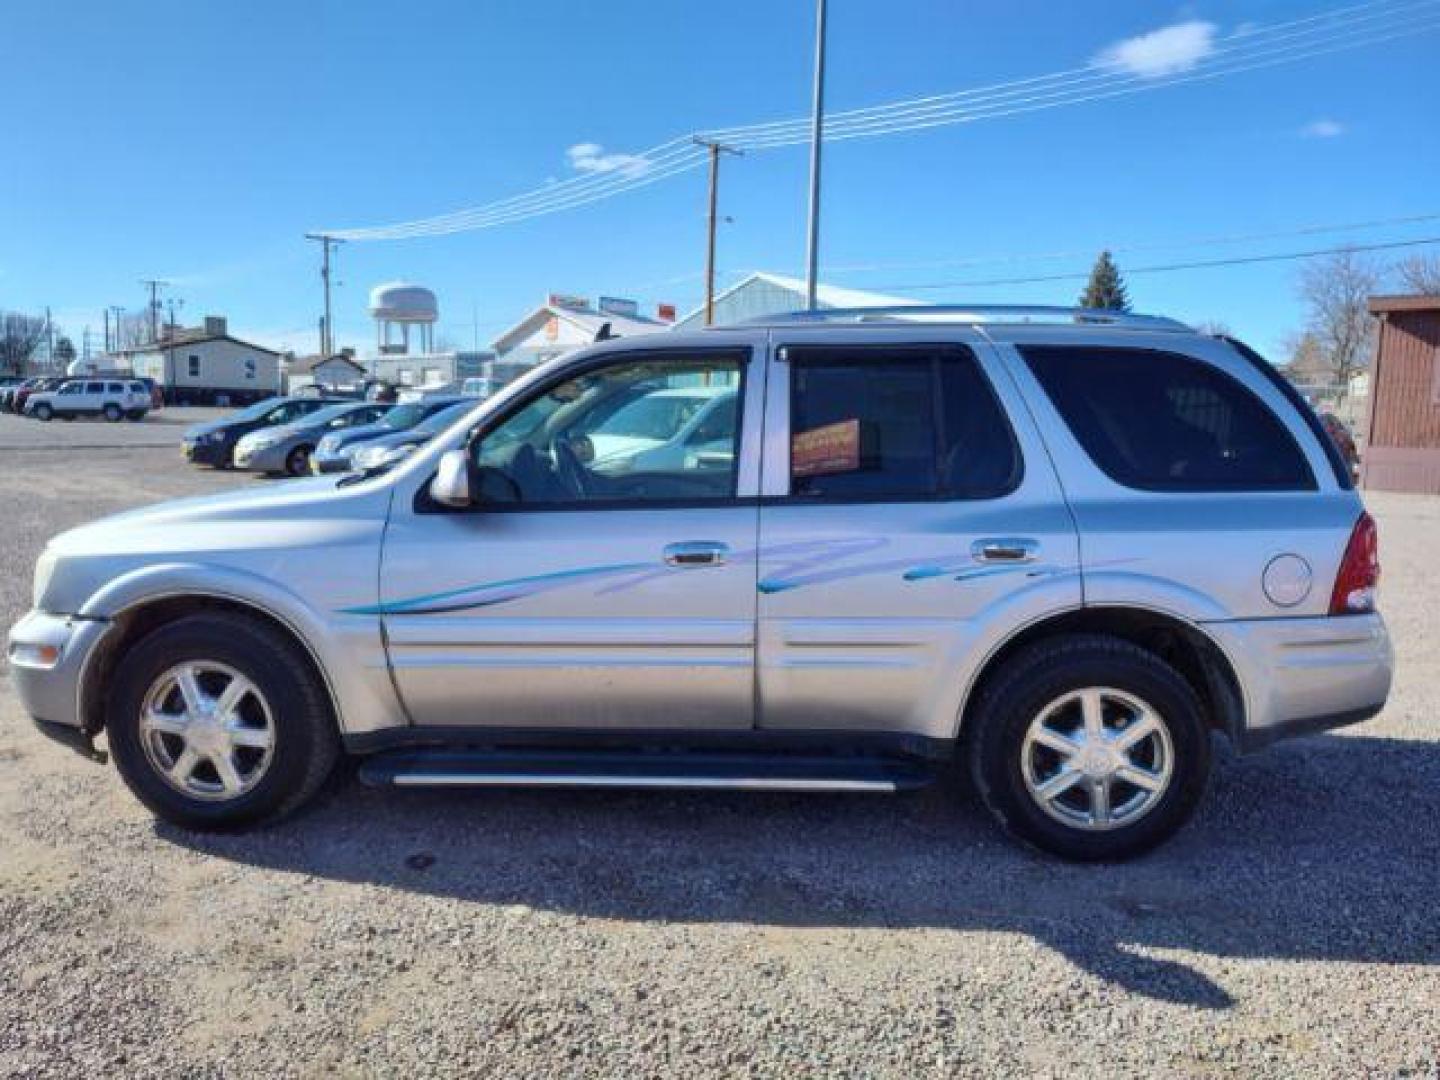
(1097, 758)
(207, 730)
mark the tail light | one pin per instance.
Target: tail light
(1359, 575)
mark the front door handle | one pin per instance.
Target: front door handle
(696, 553)
(1005, 549)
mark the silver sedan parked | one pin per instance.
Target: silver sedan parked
(287, 449)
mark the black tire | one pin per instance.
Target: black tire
(1046, 672)
(114, 413)
(297, 462)
(42, 412)
(305, 746)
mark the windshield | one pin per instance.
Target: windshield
(444, 418)
(323, 416)
(404, 416)
(256, 411)
(658, 416)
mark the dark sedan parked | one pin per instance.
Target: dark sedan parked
(214, 443)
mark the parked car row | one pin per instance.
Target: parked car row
(113, 397)
(310, 432)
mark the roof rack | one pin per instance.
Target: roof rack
(975, 314)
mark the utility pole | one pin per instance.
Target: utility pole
(817, 133)
(716, 149)
(155, 286)
(327, 328)
(119, 313)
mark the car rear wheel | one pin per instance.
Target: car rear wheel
(218, 721)
(297, 463)
(43, 412)
(1089, 747)
(114, 413)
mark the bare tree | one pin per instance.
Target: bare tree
(20, 335)
(1213, 328)
(1420, 274)
(1336, 290)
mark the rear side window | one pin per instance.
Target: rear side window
(899, 423)
(1160, 421)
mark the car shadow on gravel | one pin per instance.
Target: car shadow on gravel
(1325, 849)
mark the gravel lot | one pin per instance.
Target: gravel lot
(1291, 930)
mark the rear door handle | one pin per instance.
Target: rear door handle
(691, 553)
(1005, 549)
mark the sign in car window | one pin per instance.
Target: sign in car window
(821, 451)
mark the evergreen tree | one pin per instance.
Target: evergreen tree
(1106, 288)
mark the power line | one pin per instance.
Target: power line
(1281, 43)
(669, 159)
(1166, 267)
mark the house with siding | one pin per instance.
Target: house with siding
(1403, 452)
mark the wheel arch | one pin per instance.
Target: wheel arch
(132, 623)
(1179, 642)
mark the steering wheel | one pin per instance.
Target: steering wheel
(568, 467)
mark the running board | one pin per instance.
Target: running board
(685, 770)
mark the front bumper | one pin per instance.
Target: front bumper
(49, 688)
(1300, 676)
(335, 461)
(205, 453)
(266, 459)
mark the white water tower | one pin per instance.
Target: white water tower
(396, 308)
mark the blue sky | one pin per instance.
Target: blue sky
(199, 141)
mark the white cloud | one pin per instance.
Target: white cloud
(1323, 129)
(589, 157)
(1166, 51)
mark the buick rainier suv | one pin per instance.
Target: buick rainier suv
(848, 551)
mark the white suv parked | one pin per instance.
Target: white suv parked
(1066, 549)
(114, 399)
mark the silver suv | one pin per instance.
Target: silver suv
(1061, 548)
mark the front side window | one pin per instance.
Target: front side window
(72, 388)
(95, 388)
(1160, 421)
(620, 434)
(896, 423)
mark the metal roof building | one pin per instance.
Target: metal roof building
(763, 294)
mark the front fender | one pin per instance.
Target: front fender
(348, 649)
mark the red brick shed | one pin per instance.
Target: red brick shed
(1403, 453)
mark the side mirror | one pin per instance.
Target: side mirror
(451, 486)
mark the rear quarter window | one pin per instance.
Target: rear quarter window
(1161, 421)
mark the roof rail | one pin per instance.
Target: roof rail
(975, 314)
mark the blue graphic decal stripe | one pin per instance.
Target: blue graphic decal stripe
(434, 603)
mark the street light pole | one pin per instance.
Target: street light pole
(716, 149)
(817, 132)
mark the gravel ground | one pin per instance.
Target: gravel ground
(162, 428)
(1291, 930)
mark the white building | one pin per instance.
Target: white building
(339, 372)
(563, 324)
(763, 294)
(205, 366)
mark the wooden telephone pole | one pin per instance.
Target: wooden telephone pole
(716, 149)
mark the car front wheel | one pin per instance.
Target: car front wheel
(1089, 747)
(219, 721)
(297, 463)
(43, 412)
